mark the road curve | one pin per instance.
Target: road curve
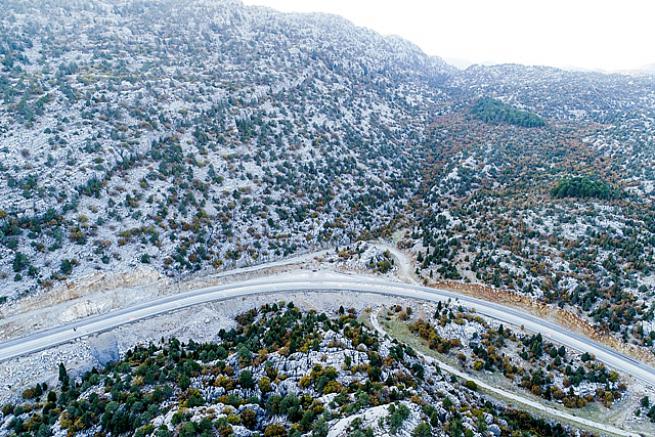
(512, 396)
(319, 282)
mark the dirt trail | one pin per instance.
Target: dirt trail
(564, 317)
(103, 292)
(504, 394)
(402, 261)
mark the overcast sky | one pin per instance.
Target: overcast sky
(606, 35)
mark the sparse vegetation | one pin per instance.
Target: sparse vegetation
(172, 388)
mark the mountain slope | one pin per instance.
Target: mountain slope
(280, 371)
(198, 134)
(166, 138)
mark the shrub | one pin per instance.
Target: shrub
(423, 429)
(275, 430)
(471, 385)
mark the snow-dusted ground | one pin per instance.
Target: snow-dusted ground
(513, 396)
(200, 323)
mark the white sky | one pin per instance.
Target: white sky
(603, 34)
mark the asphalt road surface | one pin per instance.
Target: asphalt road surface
(320, 282)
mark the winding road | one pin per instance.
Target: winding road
(319, 282)
(512, 396)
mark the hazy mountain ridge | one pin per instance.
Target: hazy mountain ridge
(564, 94)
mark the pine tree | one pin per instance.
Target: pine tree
(63, 375)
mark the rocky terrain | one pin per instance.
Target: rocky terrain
(200, 136)
(545, 212)
(148, 147)
(120, 148)
(528, 361)
(279, 371)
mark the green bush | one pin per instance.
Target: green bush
(583, 187)
(496, 112)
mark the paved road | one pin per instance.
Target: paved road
(319, 282)
(512, 396)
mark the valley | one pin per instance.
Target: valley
(195, 191)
